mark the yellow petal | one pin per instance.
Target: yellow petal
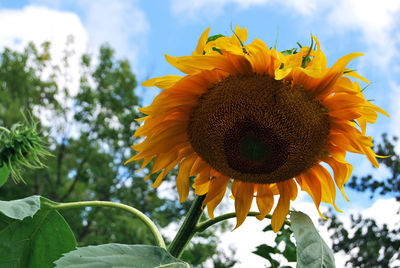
(282, 209)
(163, 82)
(217, 184)
(182, 180)
(328, 189)
(212, 204)
(182, 154)
(198, 166)
(310, 184)
(201, 189)
(265, 200)
(195, 64)
(243, 193)
(202, 42)
(240, 33)
(351, 73)
(292, 186)
(341, 173)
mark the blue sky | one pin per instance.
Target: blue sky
(144, 31)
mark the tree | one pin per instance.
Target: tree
(366, 243)
(89, 135)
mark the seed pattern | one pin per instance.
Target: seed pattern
(286, 120)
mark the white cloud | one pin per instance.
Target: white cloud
(395, 91)
(377, 21)
(120, 23)
(384, 211)
(39, 24)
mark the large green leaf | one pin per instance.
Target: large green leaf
(21, 208)
(4, 172)
(34, 242)
(312, 251)
(119, 255)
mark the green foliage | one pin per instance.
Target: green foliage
(282, 237)
(36, 241)
(24, 84)
(89, 150)
(118, 255)
(312, 251)
(4, 172)
(89, 140)
(22, 208)
(265, 251)
(376, 246)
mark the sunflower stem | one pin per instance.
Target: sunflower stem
(188, 228)
(202, 226)
(146, 220)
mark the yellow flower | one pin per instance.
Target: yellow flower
(260, 118)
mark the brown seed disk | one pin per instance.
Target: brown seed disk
(256, 129)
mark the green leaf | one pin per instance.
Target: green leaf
(265, 251)
(290, 253)
(4, 172)
(119, 255)
(21, 208)
(312, 251)
(34, 242)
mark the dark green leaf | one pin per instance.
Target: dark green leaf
(21, 208)
(312, 251)
(265, 251)
(119, 255)
(4, 172)
(290, 252)
(34, 242)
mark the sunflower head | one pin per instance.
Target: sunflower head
(263, 119)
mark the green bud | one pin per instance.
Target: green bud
(21, 146)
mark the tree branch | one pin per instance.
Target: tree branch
(72, 186)
(59, 161)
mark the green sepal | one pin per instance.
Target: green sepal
(289, 52)
(214, 37)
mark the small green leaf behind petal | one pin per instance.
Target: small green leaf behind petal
(21, 208)
(312, 251)
(214, 37)
(119, 255)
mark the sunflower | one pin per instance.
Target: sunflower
(263, 119)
